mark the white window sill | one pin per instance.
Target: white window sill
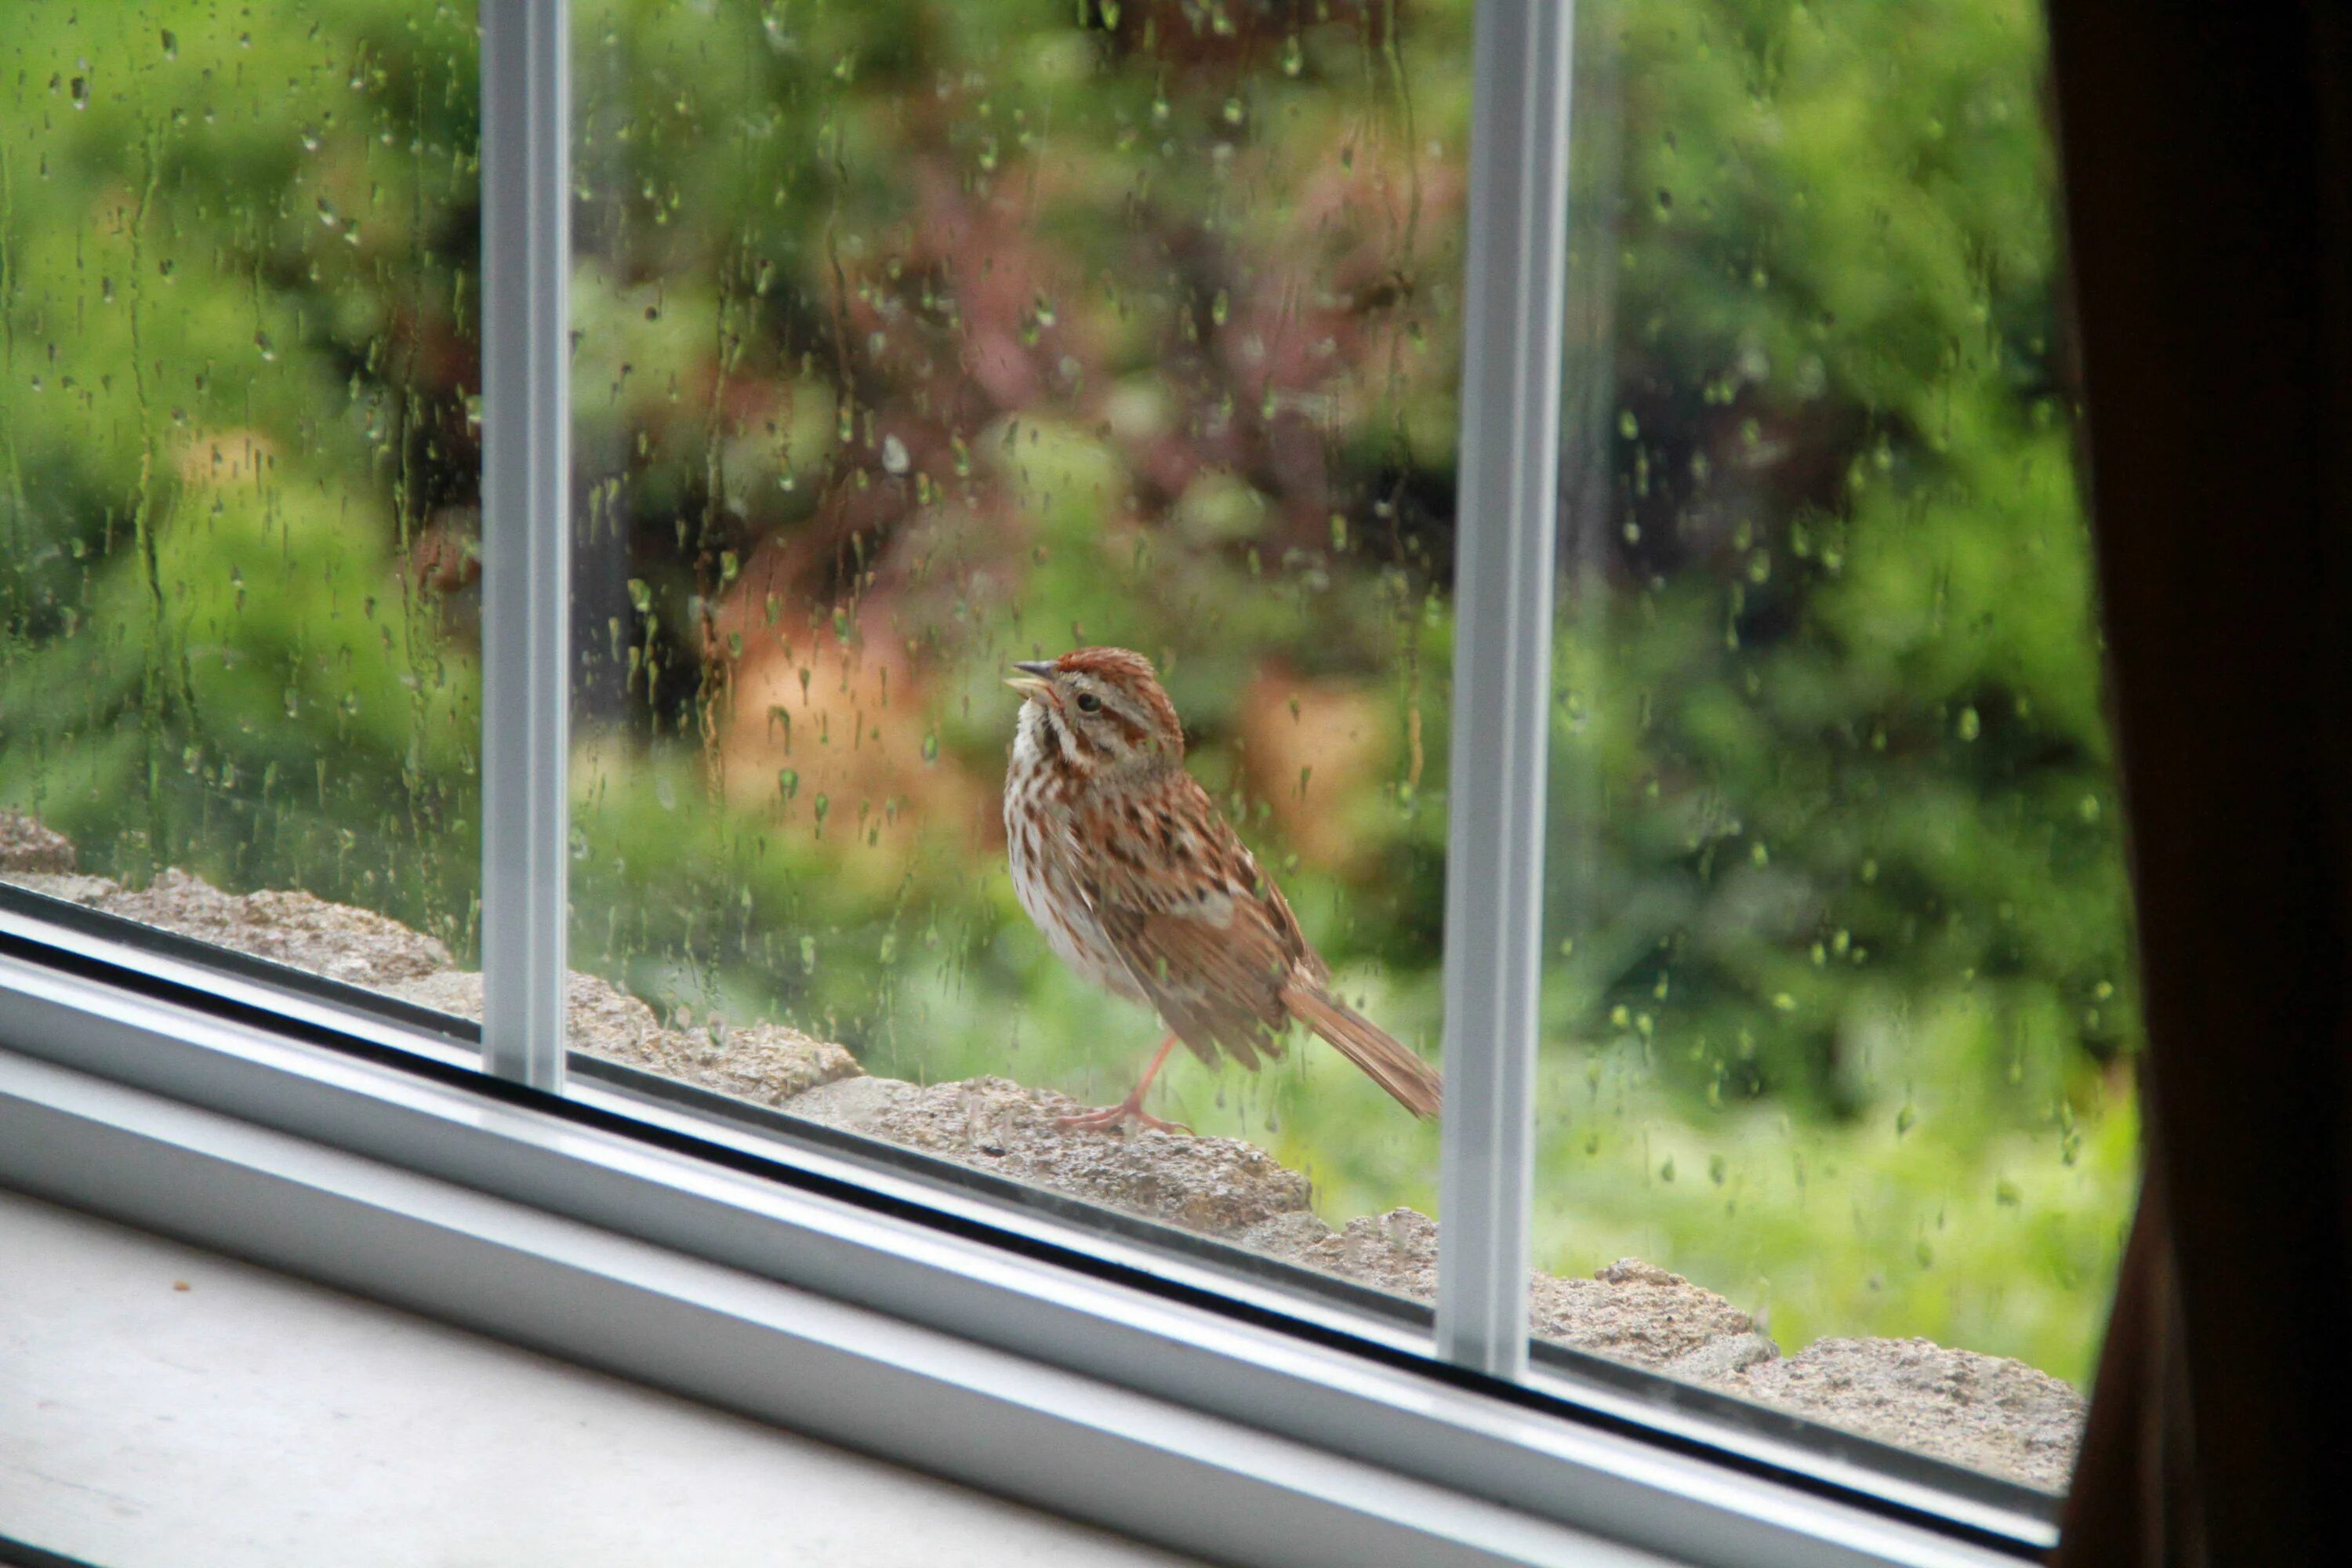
(1102, 1401)
(161, 1406)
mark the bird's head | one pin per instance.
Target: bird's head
(1100, 710)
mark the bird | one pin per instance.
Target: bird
(1139, 884)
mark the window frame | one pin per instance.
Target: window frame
(313, 1128)
(385, 1163)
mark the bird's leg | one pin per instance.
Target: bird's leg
(1132, 1108)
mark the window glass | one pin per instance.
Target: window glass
(239, 473)
(917, 339)
(1839, 1018)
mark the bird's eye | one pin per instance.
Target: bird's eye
(1090, 703)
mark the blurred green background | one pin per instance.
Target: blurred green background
(913, 336)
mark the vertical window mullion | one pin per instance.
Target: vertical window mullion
(1507, 507)
(526, 534)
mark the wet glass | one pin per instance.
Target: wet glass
(914, 339)
(239, 473)
(1839, 1016)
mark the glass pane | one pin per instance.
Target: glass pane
(238, 475)
(1839, 1016)
(915, 339)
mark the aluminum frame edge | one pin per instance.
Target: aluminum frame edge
(526, 147)
(1507, 509)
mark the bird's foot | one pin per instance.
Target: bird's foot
(1109, 1116)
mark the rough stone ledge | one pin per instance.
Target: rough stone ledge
(337, 940)
(766, 1064)
(1989, 1413)
(28, 847)
(1218, 1186)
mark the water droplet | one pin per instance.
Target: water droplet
(895, 461)
(1969, 726)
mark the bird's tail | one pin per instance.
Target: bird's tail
(1413, 1082)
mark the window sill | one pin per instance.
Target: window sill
(168, 1405)
(1091, 1397)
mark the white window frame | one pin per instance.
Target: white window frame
(1102, 1378)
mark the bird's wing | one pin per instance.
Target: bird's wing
(1203, 930)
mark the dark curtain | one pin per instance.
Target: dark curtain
(2208, 192)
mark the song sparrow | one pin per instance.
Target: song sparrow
(1142, 886)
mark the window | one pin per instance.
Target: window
(1839, 1008)
(240, 454)
(920, 341)
(518, 534)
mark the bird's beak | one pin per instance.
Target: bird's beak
(1034, 680)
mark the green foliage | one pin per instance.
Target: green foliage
(213, 444)
(917, 336)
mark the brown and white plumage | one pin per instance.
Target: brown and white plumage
(1139, 884)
